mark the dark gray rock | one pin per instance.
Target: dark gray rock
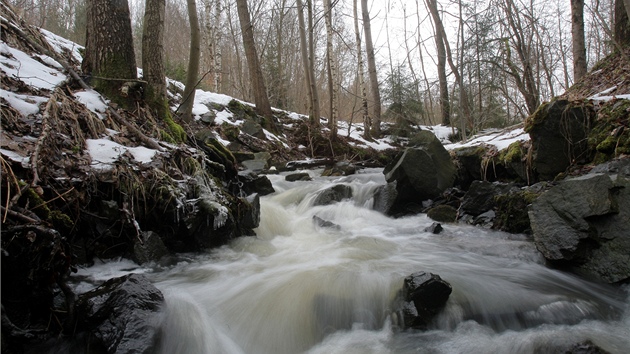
(250, 182)
(435, 228)
(341, 168)
(583, 222)
(385, 197)
(122, 315)
(152, 249)
(255, 165)
(208, 117)
(333, 194)
(420, 173)
(423, 296)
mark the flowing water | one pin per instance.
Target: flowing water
(300, 288)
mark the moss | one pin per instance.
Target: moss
(218, 148)
(231, 131)
(60, 221)
(38, 204)
(175, 131)
(512, 153)
(241, 110)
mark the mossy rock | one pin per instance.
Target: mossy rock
(443, 213)
(230, 131)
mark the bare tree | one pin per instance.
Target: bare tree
(361, 75)
(109, 54)
(188, 99)
(258, 84)
(369, 47)
(307, 62)
(577, 32)
(441, 64)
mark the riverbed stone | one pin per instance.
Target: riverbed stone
(151, 249)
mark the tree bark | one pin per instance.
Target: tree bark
(441, 64)
(188, 99)
(311, 64)
(153, 71)
(258, 84)
(577, 33)
(308, 72)
(622, 22)
(369, 47)
(109, 55)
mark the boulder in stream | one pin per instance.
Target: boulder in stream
(423, 296)
(122, 315)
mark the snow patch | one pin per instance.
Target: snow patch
(25, 104)
(23, 67)
(92, 101)
(499, 138)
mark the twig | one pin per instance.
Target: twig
(145, 139)
(17, 215)
(55, 198)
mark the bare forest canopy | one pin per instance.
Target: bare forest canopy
(499, 59)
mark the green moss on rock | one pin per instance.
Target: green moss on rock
(443, 213)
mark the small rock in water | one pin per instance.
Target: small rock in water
(325, 223)
(435, 228)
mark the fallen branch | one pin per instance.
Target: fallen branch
(52, 104)
(15, 214)
(145, 139)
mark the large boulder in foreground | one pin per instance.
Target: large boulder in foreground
(122, 315)
(420, 173)
(583, 223)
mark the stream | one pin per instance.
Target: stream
(301, 288)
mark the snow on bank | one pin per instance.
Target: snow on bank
(604, 95)
(105, 153)
(499, 138)
(21, 66)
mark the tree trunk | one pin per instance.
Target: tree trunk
(258, 83)
(622, 22)
(332, 68)
(188, 99)
(369, 47)
(441, 64)
(153, 71)
(311, 64)
(577, 33)
(361, 75)
(109, 55)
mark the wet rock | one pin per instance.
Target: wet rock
(122, 315)
(333, 194)
(300, 176)
(251, 182)
(423, 296)
(342, 168)
(249, 214)
(443, 213)
(152, 249)
(208, 117)
(325, 223)
(583, 222)
(385, 197)
(420, 173)
(586, 347)
(255, 165)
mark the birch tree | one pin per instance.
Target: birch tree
(361, 75)
(333, 90)
(369, 48)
